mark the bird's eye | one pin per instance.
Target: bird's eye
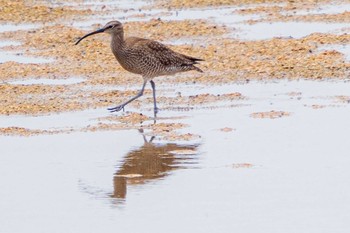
(110, 27)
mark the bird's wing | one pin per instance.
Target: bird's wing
(158, 52)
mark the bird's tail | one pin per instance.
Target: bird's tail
(197, 69)
(190, 62)
(193, 59)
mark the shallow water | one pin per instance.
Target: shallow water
(263, 31)
(344, 49)
(15, 27)
(20, 58)
(47, 81)
(103, 181)
(9, 43)
(228, 17)
(265, 175)
(331, 8)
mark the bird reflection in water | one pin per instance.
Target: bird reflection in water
(150, 162)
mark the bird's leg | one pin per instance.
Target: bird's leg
(154, 97)
(121, 106)
(152, 138)
(143, 135)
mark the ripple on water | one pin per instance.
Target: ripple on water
(16, 27)
(47, 81)
(20, 58)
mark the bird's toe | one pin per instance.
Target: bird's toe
(116, 109)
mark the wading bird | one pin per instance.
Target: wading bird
(145, 57)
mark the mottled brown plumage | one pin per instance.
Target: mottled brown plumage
(145, 57)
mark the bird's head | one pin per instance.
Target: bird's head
(110, 28)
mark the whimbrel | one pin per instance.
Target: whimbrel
(145, 57)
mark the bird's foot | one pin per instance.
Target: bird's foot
(116, 109)
(156, 110)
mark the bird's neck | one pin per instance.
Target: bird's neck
(117, 42)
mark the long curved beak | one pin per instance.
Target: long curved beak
(90, 34)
